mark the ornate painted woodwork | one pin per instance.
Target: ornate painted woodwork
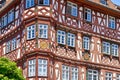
(30, 46)
(44, 45)
(29, 13)
(43, 11)
(54, 8)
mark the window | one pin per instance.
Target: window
(110, 48)
(1, 22)
(14, 44)
(5, 21)
(87, 14)
(7, 18)
(111, 22)
(43, 31)
(71, 39)
(92, 74)
(86, 43)
(8, 47)
(10, 16)
(61, 37)
(65, 72)
(118, 76)
(43, 2)
(106, 47)
(31, 68)
(109, 76)
(71, 9)
(114, 50)
(29, 3)
(31, 32)
(103, 2)
(42, 67)
(74, 73)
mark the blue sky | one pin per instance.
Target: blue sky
(116, 2)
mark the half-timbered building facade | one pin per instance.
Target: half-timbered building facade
(62, 39)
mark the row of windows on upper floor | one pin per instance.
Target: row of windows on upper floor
(66, 38)
(71, 10)
(8, 18)
(31, 3)
(68, 72)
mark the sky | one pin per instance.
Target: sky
(116, 2)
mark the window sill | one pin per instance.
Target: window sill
(44, 5)
(71, 48)
(66, 47)
(29, 7)
(112, 28)
(11, 51)
(110, 56)
(30, 39)
(31, 76)
(89, 22)
(43, 76)
(85, 50)
(62, 45)
(43, 38)
(69, 15)
(115, 57)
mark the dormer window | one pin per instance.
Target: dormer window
(111, 22)
(71, 9)
(43, 2)
(103, 2)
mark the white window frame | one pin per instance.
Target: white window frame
(14, 44)
(118, 76)
(86, 43)
(65, 72)
(8, 46)
(114, 49)
(74, 73)
(32, 68)
(29, 3)
(45, 2)
(31, 32)
(71, 39)
(43, 31)
(92, 73)
(111, 22)
(108, 76)
(88, 15)
(61, 37)
(42, 67)
(106, 47)
(73, 9)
